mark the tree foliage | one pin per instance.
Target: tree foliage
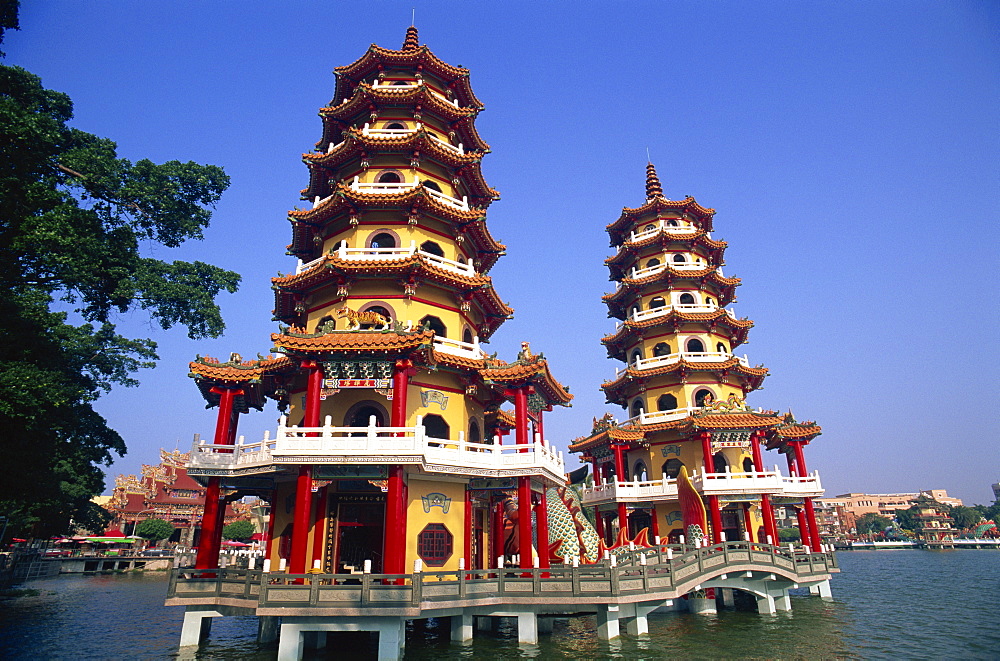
(965, 517)
(239, 530)
(789, 534)
(76, 222)
(872, 523)
(154, 529)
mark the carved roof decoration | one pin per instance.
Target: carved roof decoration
(259, 379)
(629, 251)
(619, 230)
(528, 369)
(393, 342)
(420, 58)
(624, 296)
(653, 187)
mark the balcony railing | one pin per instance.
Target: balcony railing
(408, 85)
(458, 348)
(367, 254)
(399, 187)
(690, 308)
(690, 356)
(709, 484)
(333, 445)
(661, 226)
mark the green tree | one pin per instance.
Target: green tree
(989, 512)
(154, 529)
(789, 534)
(76, 224)
(965, 517)
(239, 530)
(872, 523)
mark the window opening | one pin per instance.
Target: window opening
(719, 463)
(432, 248)
(661, 349)
(653, 262)
(395, 126)
(666, 403)
(433, 185)
(694, 345)
(435, 544)
(389, 178)
(672, 468)
(657, 302)
(435, 324)
(687, 299)
(384, 240)
(703, 397)
(436, 427)
(680, 258)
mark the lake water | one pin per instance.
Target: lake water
(909, 604)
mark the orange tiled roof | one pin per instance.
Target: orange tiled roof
(416, 197)
(615, 390)
(377, 58)
(624, 296)
(628, 251)
(339, 342)
(410, 264)
(364, 96)
(355, 142)
(257, 378)
(620, 228)
(533, 370)
(631, 331)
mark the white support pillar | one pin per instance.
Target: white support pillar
(461, 628)
(765, 604)
(824, 590)
(527, 628)
(196, 627)
(782, 601)
(638, 624)
(728, 597)
(290, 642)
(607, 622)
(701, 605)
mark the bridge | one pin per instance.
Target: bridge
(623, 588)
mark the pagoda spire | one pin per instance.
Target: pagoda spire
(653, 187)
(412, 42)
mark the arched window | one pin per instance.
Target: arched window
(327, 321)
(474, 435)
(720, 347)
(679, 258)
(702, 395)
(401, 82)
(719, 463)
(686, 299)
(435, 324)
(666, 403)
(637, 408)
(639, 472)
(433, 185)
(436, 427)
(653, 262)
(661, 349)
(361, 413)
(657, 302)
(672, 468)
(708, 299)
(467, 336)
(672, 223)
(636, 356)
(390, 178)
(649, 228)
(432, 248)
(694, 345)
(747, 465)
(384, 240)
(395, 126)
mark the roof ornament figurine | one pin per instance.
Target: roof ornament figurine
(411, 42)
(653, 187)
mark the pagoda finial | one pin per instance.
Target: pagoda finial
(412, 42)
(653, 187)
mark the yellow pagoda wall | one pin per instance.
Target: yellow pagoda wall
(417, 517)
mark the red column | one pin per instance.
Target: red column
(524, 521)
(597, 474)
(394, 541)
(206, 559)
(815, 541)
(622, 475)
(714, 513)
(270, 523)
(599, 525)
(468, 529)
(804, 534)
(542, 518)
(792, 468)
(521, 416)
(303, 486)
(748, 520)
(770, 525)
(654, 524)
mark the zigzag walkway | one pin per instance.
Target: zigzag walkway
(627, 585)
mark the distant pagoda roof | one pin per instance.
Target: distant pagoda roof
(631, 331)
(620, 229)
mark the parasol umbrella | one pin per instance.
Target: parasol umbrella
(18, 539)
(233, 543)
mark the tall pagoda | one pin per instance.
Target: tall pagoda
(390, 445)
(690, 435)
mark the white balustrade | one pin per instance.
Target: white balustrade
(382, 187)
(397, 84)
(333, 445)
(460, 148)
(363, 254)
(305, 266)
(690, 308)
(459, 348)
(462, 204)
(689, 356)
(661, 226)
(367, 130)
(728, 483)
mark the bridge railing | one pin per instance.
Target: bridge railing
(632, 572)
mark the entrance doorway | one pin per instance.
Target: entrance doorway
(360, 533)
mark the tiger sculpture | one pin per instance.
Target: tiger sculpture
(355, 318)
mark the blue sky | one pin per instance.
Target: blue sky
(851, 150)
